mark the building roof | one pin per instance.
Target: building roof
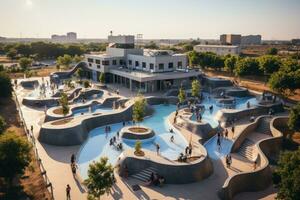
(217, 46)
(143, 76)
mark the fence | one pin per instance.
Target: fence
(31, 139)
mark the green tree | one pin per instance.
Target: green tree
(138, 146)
(287, 79)
(24, 49)
(247, 66)
(14, 155)
(294, 118)
(65, 60)
(5, 85)
(195, 88)
(63, 101)
(80, 73)
(181, 95)
(100, 178)
(151, 45)
(272, 51)
(269, 64)
(25, 63)
(230, 63)
(102, 78)
(86, 84)
(194, 58)
(12, 53)
(2, 124)
(187, 47)
(286, 175)
(77, 58)
(139, 106)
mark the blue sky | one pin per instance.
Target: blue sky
(273, 19)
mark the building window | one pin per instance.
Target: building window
(121, 62)
(98, 66)
(143, 64)
(129, 62)
(152, 66)
(105, 62)
(90, 60)
(179, 64)
(170, 66)
(97, 62)
(114, 62)
(137, 63)
(161, 66)
(90, 64)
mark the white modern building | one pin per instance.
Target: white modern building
(218, 49)
(139, 69)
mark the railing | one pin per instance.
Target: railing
(31, 139)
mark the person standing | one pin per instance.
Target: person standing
(68, 192)
(157, 149)
(190, 151)
(73, 158)
(219, 143)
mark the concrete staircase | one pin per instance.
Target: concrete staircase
(145, 174)
(264, 126)
(246, 149)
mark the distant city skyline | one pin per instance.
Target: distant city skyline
(155, 19)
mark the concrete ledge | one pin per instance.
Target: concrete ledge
(261, 178)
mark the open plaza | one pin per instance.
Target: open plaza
(217, 144)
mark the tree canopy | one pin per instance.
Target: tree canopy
(14, 155)
(65, 60)
(5, 85)
(63, 101)
(269, 64)
(139, 107)
(181, 95)
(272, 51)
(247, 66)
(2, 124)
(286, 175)
(294, 118)
(230, 63)
(195, 88)
(100, 178)
(25, 63)
(102, 78)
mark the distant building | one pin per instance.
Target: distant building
(230, 39)
(251, 40)
(218, 49)
(71, 36)
(295, 41)
(2, 38)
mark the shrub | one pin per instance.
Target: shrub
(2, 124)
(5, 85)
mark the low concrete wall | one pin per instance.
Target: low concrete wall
(261, 178)
(76, 133)
(227, 115)
(29, 84)
(32, 102)
(175, 172)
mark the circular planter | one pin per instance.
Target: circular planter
(137, 133)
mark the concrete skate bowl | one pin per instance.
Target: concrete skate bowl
(232, 91)
(213, 83)
(260, 178)
(31, 84)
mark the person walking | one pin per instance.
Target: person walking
(31, 128)
(190, 151)
(68, 192)
(219, 144)
(73, 167)
(73, 158)
(227, 161)
(157, 149)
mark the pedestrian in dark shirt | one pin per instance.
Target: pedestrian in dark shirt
(68, 192)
